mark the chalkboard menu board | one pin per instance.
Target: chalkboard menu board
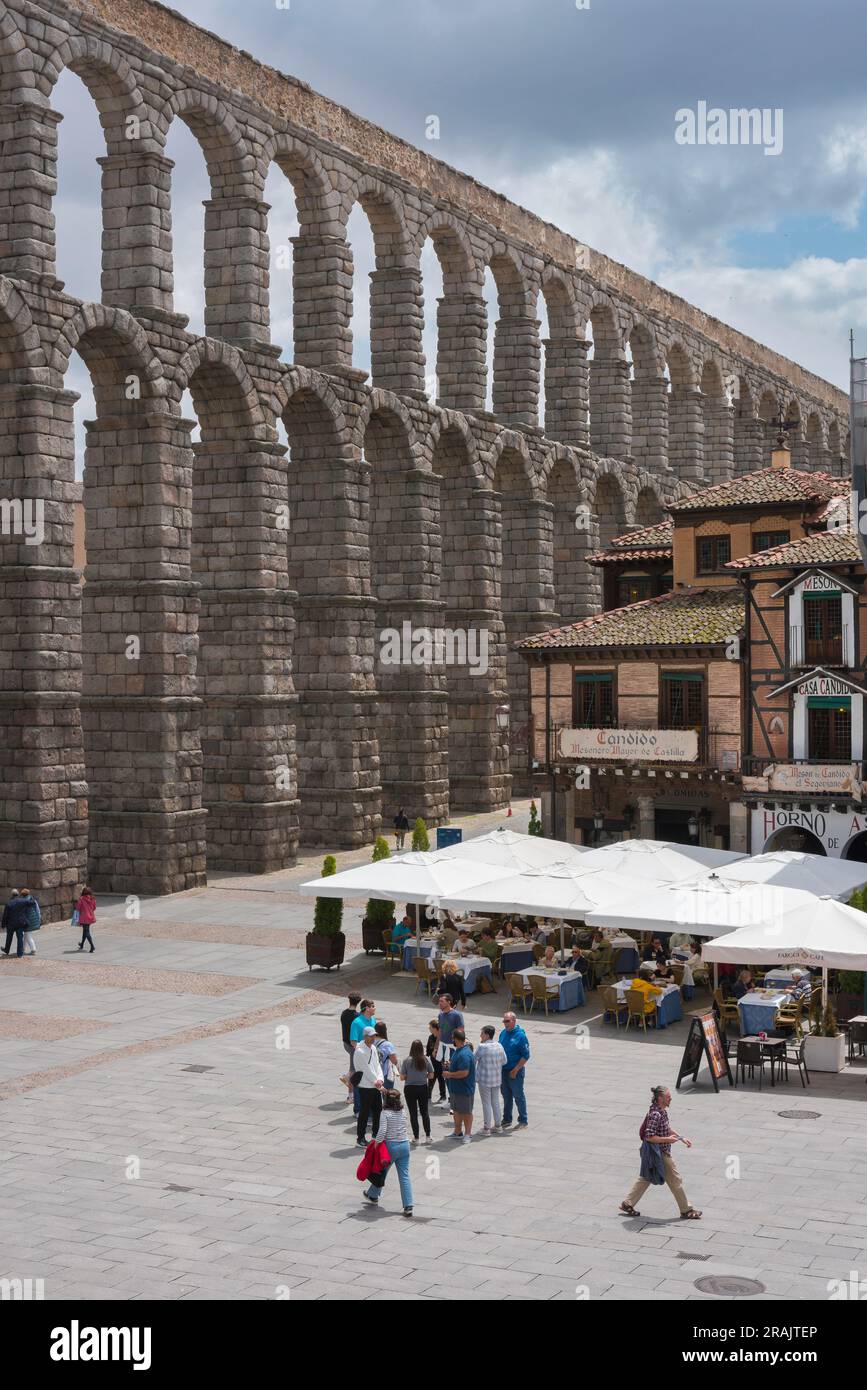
(703, 1041)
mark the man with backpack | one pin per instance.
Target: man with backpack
(655, 1129)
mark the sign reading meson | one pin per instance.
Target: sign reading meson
(631, 745)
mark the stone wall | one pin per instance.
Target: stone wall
(219, 687)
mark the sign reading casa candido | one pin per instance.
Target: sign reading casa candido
(631, 745)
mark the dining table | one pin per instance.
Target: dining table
(669, 1005)
(773, 1048)
(568, 984)
(758, 1009)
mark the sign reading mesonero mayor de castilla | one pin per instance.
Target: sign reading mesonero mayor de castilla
(631, 745)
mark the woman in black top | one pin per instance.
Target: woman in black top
(433, 1043)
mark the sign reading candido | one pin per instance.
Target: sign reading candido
(631, 745)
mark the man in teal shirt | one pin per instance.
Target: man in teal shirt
(365, 1018)
(516, 1045)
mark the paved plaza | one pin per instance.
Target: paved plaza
(173, 1128)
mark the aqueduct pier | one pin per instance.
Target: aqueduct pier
(214, 686)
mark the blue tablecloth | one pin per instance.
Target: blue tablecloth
(669, 1010)
(516, 961)
(472, 975)
(757, 1015)
(778, 977)
(410, 951)
(570, 996)
(625, 961)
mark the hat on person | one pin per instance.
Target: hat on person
(647, 968)
(370, 1032)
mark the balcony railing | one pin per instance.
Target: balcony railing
(818, 651)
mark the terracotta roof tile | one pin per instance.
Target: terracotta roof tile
(765, 485)
(682, 618)
(650, 543)
(836, 547)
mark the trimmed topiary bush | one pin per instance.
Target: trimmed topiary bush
(379, 912)
(535, 826)
(328, 912)
(420, 837)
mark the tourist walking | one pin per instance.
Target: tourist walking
(460, 1075)
(490, 1060)
(32, 919)
(433, 1049)
(8, 922)
(347, 1018)
(417, 1074)
(387, 1055)
(656, 1130)
(516, 1045)
(368, 1068)
(86, 909)
(391, 1131)
(401, 826)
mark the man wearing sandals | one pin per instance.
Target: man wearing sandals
(657, 1130)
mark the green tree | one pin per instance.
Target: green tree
(829, 1021)
(420, 837)
(328, 912)
(379, 912)
(535, 826)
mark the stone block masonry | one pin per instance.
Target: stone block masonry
(215, 690)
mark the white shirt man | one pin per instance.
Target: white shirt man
(370, 1085)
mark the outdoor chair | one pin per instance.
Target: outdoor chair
(612, 1004)
(795, 1053)
(426, 976)
(749, 1054)
(728, 1009)
(518, 991)
(538, 951)
(635, 1002)
(857, 1038)
(393, 949)
(541, 992)
(788, 1016)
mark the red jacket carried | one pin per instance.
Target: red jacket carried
(376, 1159)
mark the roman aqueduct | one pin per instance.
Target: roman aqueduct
(214, 686)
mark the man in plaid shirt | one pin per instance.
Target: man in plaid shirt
(490, 1060)
(657, 1130)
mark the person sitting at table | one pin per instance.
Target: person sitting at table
(465, 943)
(679, 940)
(692, 963)
(448, 936)
(549, 960)
(745, 984)
(654, 951)
(801, 986)
(644, 982)
(515, 931)
(400, 933)
(664, 971)
(577, 961)
(487, 945)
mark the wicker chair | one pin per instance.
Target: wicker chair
(426, 976)
(612, 1003)
(518, 991)
(635, 1003)
(728, 1009)
(542, 992)
(393, 949)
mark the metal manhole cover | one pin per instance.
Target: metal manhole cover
(799, 1114)
(724, 1286)
(688, 1255)
(196, 1067)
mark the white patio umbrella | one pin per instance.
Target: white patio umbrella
(655, 861)
(814, 873)
(707, 906)
(514, 851)
(414, 877)
(822, 933)
(560, 891)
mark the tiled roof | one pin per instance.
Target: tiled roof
(682, 618)
(765, 485)
(837, 547)
(650, 543)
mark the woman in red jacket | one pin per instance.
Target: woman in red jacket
(86, 909)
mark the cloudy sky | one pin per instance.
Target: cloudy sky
(571, 112)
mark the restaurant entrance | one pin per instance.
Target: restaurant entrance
(672, 823)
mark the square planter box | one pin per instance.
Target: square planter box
(825, 1054)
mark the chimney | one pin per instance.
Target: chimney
(781, 455)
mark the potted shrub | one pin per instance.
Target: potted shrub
(535, 825)
(825, 1046)
(850, 993)
(420, 837)
(379, 914)
(326, 944)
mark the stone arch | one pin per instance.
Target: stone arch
(16, 58)
(836, 462)
(685, 419)
(649, 505)
(454, 422)
(297, 382)
(796, 437)
(571, 538)
(747, 428)
(20, 345)
(461, 318)
(395, 294)
(227, 364)
(648, 397)
(517, 350)
(769, 416)
(610, 507)
(565, 362)
(610, 397)
(109, 80)
(222, 142)
(385, 406)
(717, 423)
(105, 328)
(301, 165)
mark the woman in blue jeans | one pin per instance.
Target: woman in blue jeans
(392, 1129)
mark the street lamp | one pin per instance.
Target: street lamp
(693, 826)
(598, 823)
(502, 716)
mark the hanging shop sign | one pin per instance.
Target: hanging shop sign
(833, 829)
(631, 745)
(816, 779)
(824, 685)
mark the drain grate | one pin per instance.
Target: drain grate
(196, 1067)
(688, 1255)
(174, 1187)
(799, 1114)
(725, 1286)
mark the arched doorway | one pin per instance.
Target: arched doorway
(795, 837)
(857, 848)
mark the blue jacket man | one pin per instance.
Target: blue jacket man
(21, 914)
(516, 1045)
